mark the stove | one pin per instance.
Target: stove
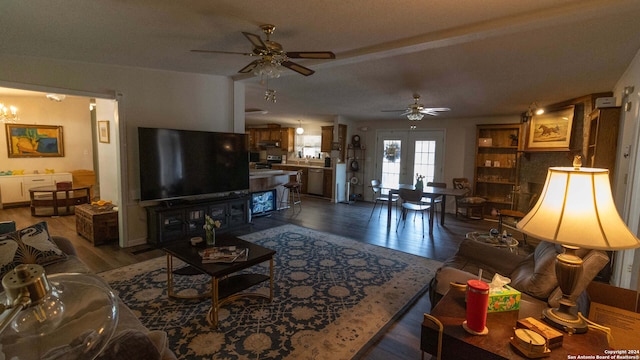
(274, 159)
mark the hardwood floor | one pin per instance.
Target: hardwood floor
(400, 341)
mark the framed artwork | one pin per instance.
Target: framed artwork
(550, 131)
(103, 131)
(24, 141)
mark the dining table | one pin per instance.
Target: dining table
(430, 192)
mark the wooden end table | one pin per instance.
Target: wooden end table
(458, 344)
(225, 287)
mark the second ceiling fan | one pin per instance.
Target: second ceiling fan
(272, 55)
(417, 111)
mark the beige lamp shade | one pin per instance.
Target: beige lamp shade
(576, 208)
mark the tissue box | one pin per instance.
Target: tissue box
(506, 299)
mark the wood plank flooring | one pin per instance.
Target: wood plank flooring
(400, 341)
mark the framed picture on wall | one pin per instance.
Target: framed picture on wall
(103, 131)
(550, 131)
(24, 141)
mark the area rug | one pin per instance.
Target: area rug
(332, 297)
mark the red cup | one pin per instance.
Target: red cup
(477, 304)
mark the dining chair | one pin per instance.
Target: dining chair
(472, 205)
(376, 187)
(412, 201)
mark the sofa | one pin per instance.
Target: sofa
(533, 275)
(131, 340)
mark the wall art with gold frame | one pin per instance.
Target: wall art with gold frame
(25, 141)
(550, 131)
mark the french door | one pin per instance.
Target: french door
(400, 155)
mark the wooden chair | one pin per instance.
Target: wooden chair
(472, 205)
(292, 192)
(376, 187)
(412, 201)
(510, 217)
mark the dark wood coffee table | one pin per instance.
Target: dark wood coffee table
(458, 344)
(225, 286)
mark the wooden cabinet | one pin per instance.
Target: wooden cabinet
(496, 167)
(602, 139)
(287, 139)
(327, 185)
(327, 141)
(285, 136)
(183, 221)
(15, 188)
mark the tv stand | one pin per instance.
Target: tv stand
(181, 219)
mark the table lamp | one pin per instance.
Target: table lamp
(63, 316)
(575, 209)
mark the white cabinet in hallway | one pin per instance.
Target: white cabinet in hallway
(15, 188)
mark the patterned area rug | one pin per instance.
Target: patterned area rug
(332, 296)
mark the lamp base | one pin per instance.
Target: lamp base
(564, 320)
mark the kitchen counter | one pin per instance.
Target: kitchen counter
(268, 179)
(303, 165)
(267, 173)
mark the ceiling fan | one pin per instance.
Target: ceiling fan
(272, 55)
(417, 111)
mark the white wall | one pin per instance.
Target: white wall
(107, 152)
(627, 187)
(150, 98)
(74, 117)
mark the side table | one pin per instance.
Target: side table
(458, 344)
(97, 224)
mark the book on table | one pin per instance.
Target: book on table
(224, 254)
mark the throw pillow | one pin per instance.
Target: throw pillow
(31, 245)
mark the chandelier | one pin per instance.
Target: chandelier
(8, 114)
(415, 114)
(269, 67)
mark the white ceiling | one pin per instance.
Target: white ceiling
(478, 57)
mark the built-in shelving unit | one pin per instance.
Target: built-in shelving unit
(602, 139)
(496, 168)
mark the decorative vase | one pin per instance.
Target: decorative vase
(419, 185)
(211, 237)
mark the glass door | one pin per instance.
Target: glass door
(400, 155)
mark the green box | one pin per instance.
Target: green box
(507, 299)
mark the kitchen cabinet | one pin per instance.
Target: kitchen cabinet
(328, 183)
(274, 133)
(287, 139)
(496, 166)
(15, 188)
(602, 139)
(327, 141)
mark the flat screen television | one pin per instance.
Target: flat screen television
(179, 164)
(263, 202)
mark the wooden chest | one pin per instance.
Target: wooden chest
(98, 224)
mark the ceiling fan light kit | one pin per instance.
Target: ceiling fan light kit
(417, 111)
(272, 55)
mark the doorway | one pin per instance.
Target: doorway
(400, 155)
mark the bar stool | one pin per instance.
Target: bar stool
(292, 190)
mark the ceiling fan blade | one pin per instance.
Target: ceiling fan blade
(311, 55)
(297, 68)
(222, 52)
(249, 68)
(255, 40)
(435, 109)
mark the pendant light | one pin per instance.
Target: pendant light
(299, 129)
